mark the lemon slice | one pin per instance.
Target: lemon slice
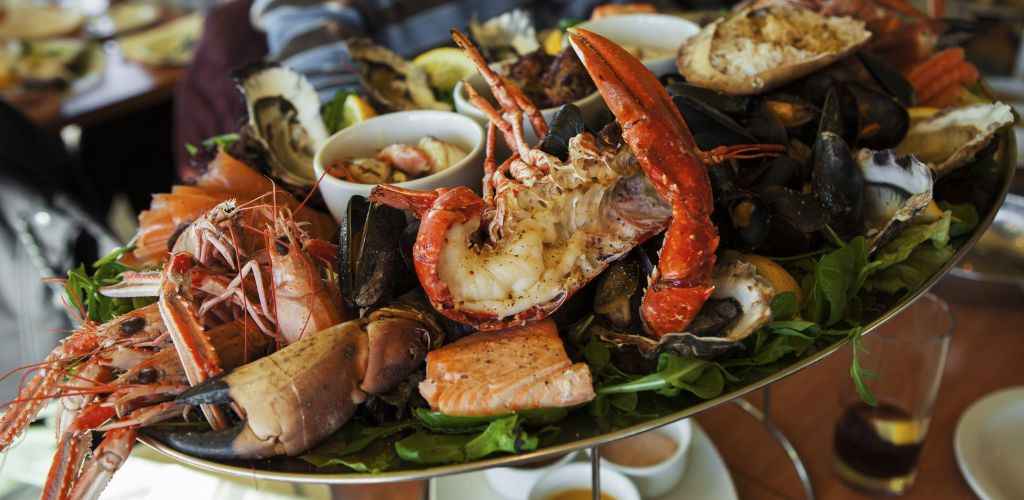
(446, 66)
(355, 110)
(553, 42)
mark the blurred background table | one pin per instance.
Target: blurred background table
(124, 88)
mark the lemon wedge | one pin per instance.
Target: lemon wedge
(355, 110)
(553, 42)
(446, 66)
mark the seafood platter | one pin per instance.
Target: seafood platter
(725, 226)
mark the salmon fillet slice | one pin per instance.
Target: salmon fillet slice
(505, 371)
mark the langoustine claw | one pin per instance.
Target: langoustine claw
(301, 394)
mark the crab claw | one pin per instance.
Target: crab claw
(298, 396)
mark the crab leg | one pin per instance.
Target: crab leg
(668, 153)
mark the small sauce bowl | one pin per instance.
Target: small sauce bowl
(656, 480)
(657, 31)
(577, 476)
(514, 483)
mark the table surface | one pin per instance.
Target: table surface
(123, 87)
(984, 356)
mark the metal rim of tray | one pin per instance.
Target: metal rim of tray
(1007, 158)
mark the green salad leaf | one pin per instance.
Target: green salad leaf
(501, 435)
(83, 289)
(358, 447)
(674, 375)
(440, 422)
(333, 113)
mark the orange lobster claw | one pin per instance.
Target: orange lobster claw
(665, 147)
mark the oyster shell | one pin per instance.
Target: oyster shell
(392, 83)
(506, 36)
(284, 120)
(949, 139)
(758, 49)
(896, 189)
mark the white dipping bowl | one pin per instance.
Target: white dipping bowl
(592, 106)
(577, 476)
(658, 31)
(514, 483)
(364, 139)
(658, 479)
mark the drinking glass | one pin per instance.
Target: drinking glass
(876, 447)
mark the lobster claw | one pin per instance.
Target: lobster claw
(296, 397)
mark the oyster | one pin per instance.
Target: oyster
(739, 305)
(392, 83)
(506, 36)
(896, 189)
(949, 139)
(758, 49)
(284, 120)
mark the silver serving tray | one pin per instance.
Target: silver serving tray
(298, 471)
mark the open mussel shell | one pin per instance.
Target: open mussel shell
(891, 81)
(765, 125)
(897, 188)
(566, 124)
(884, 121)
(950, 139)
(371, 262)
(726, 103)
(284, 121)
(796, 218)
(615, 289)
(782, 171)
(391, 82)
(712, 127)
(747, 219)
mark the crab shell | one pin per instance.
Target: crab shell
(694, 62)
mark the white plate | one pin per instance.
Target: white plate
(989, 445)
(706, 477)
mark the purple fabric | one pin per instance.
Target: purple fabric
(206, 102)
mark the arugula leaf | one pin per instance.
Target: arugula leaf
(783, 305)
(912, 272)
(835, 279)
(859, 373)
(501, 435)
(568, 22)
(702, 378)
(964, 218)
(358, 447)
(333, 113)
(438, 421)
(83, 290)
(899, 249)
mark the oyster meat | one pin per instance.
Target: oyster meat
(284, 120)
(758, 49)
(391, 82)
(949, 139)
(896, 189)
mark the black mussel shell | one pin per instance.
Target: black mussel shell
(782, 171)
(713, 127)
(748, 219)
(728, 104)
(765, 125)
(883, 120)
(406, 241)
(796, 219)
(566, 124)
(370, 260)
(890, 80)
(791, 110)
(615, 289)
(671, 78)
(839, 183)
(840, 114)
(723, 179)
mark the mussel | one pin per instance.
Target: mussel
(883, 120)
(566, 124)
(371, 267)
(835, 177)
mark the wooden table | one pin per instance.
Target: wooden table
(984, 356)
(124, 87)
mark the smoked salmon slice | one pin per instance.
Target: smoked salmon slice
(505, 371)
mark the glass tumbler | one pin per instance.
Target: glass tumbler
(876, 447)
